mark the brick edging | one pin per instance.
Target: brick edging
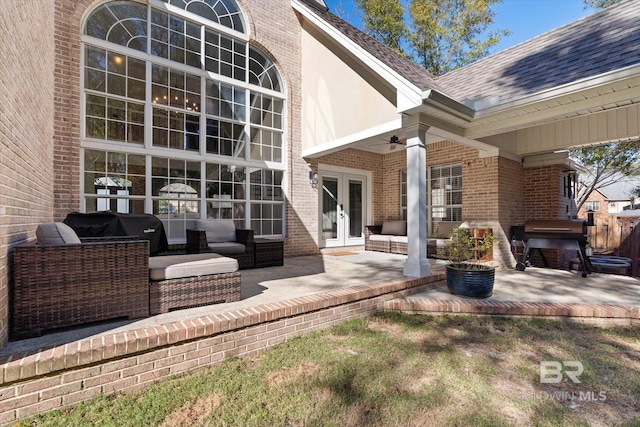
(515, 308)
(90, 351)
(131, 362)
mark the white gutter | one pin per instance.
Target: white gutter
(409, 95)
(563, 90)
(447, 103)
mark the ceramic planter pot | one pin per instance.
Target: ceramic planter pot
(470, 280)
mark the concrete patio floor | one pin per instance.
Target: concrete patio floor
(309, 275)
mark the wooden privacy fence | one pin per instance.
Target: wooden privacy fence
(619, 236)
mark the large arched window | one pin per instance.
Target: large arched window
(175, 97)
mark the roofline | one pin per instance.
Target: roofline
(408, 90)
(432, 96)
(563, 90)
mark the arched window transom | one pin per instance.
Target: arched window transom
(189, 115)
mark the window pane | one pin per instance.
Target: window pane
(117, 85)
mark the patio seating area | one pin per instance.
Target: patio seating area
(279, 303)
(327, 274)
(102, 266)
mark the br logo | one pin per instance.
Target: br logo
(552, 372)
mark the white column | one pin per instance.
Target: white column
(417, 264)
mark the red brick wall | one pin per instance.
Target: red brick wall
(511, 184)
(393, 165)
(603, 213)
(26, 126)
(544, 198)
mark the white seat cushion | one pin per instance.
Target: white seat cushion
(179, 266)
(380, 237)
(56, 233)
(400, 239)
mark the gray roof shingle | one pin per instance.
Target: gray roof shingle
(604, 41)
(601, 42)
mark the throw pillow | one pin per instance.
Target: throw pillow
(56, 233)
(394, 227)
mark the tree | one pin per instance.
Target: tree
(600, 4)
(383, 20)
(441, 35)
(606, 164)
(451, 33)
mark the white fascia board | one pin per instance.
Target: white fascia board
(563, 90)
(436, 98)
(343, 143)
(408, 96)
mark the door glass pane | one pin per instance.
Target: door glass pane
(329, 208)
(355, 209)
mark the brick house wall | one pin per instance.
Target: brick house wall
(600, 215)
(544, 193)
(493, 187)
(301, 199)
(26, 130)
(545, 198)
(511, 182)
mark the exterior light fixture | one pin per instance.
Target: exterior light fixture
(313, 179)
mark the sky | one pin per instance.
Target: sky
(525, 18)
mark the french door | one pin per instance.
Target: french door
(342, 208)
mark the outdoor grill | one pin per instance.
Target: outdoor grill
(556, 234)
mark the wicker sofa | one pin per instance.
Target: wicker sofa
(68, 282)
(391, 237)
(220, 236)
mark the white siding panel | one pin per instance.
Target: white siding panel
(633, 112)
(611, 124)
(575, 131)
(619, 121)
(602, 127)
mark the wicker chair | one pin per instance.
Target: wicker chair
(57, 286)
(197, 243)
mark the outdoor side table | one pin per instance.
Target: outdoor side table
(268, 252)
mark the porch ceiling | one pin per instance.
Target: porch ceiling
(593, 111)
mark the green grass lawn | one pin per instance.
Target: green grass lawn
(399, 370)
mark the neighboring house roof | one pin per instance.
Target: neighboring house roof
(569, 53)
(629, 213)
(620, 190)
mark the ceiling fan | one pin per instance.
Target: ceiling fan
(393, 142)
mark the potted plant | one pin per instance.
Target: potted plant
(465, 276)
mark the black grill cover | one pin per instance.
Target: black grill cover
(106, 224)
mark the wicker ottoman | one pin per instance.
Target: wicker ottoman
(184, 281)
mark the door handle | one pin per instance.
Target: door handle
(341, 211)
